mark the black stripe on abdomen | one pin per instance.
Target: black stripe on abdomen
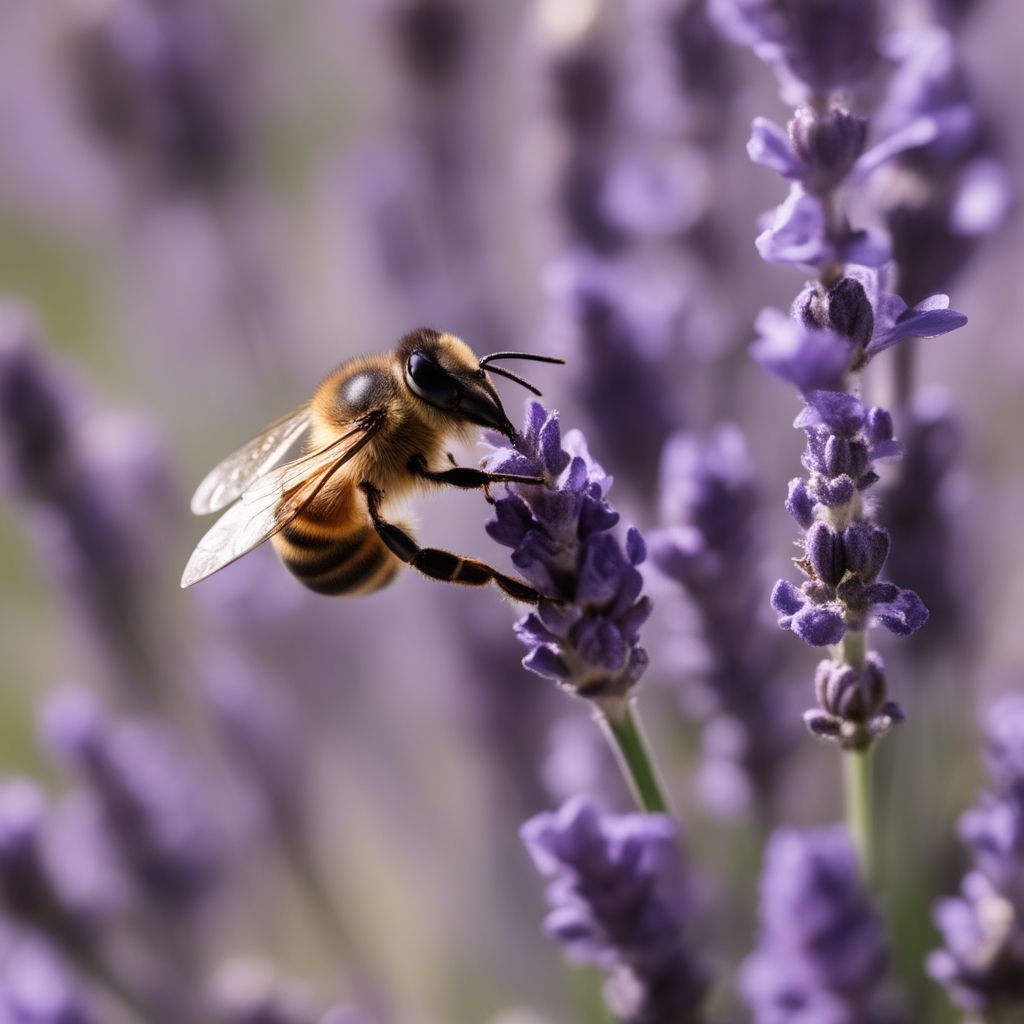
(343, 563)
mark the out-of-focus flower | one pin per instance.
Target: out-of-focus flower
(982, 963)
(262, 731)
(815, 46)
(29, 890)
(88, 509)
(585, 632)
(154, 82)
(941, 196)
(920, 511)
(821, 956)
(620, 899)
(708, 544)
(156, 805)
(35, 989)
(247, 991)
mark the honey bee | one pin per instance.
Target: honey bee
(373, 432)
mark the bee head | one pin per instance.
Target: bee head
(442, 371)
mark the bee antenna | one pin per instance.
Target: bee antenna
(501, 372)
(521, 355)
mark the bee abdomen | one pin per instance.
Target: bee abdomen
(344, 561)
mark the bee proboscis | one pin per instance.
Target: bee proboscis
(373, 432)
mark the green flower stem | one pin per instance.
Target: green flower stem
(622, 728)
(859, 808)
(857, 768)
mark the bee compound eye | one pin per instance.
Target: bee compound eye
(430, 382)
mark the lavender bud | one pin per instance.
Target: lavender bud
(825, 551)
(800, 504)
(849, 311)
(851, 695)
(829, 146)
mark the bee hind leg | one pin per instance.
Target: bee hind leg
(439, 564)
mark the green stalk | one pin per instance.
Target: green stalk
(623, 730)
(859, 808)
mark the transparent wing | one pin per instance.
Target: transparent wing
(230, 478)
(273, 501)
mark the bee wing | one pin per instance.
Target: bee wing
(273, 501)
(230, 478)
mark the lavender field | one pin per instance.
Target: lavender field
(728, 725)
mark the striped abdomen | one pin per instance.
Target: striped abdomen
(339, 558)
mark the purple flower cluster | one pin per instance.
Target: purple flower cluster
(982, 964)
(838, 324)
(822, 955)
(708, 544)
(620, 899)
(844, 553)
(585, 631)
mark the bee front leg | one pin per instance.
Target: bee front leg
(466, 477)
(439, 564)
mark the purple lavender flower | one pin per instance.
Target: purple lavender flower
(982, 963)
(29, 891)
(709, 545)
(944, 195)
(36, 989)
(156, 807)
(838, 324)
(619, 899)
(154, 86)
(86, 505)
(816, 46)
(622, 372)
(821, 957)
(845, 552)
(585, 632)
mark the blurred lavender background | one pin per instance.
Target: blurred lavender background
(246, 803)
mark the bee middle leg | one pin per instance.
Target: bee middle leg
(466, 477)
(439, 564)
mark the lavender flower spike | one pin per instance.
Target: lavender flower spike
(822, 954)
(151, 798)
(585, 632)
(982, 964)
(619, 899)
